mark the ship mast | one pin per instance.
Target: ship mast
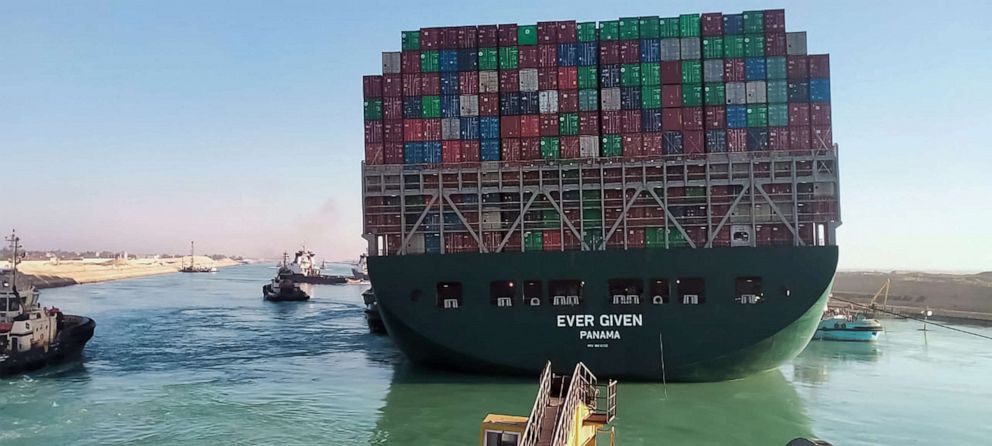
(15, 245)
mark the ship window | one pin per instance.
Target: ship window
(691, 290)
(13, 305)
(565, 292)
(660, 291)
(449, 295)
(626, 291)
(533, 292)
(502, 438)
(501, 293)
(747, 290)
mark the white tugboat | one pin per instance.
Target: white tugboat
(305, 270)
(283, 288)
(31, 336)
(361, 270)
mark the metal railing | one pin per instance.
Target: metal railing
(533, 430)
(582, 383)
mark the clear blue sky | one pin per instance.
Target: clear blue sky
(142, 125)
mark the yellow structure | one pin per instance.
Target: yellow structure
(570, 410)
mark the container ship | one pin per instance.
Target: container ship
(656, 197)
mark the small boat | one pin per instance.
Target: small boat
(360, 270)
(372, 316)
(306, 271)
(283, 288)
(192, 268)
(842, 326)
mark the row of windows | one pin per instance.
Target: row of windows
(688, 290)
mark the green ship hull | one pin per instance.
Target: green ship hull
(715, 340)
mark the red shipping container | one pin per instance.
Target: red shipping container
(487, 36)
(430, 38)
(373, 153)
(821, 137)
(716, 117)
(547, 55)
(392, 131)
(508, 34)
(671, 72)
(527, 57)
(568, 100)
(410, 62)
(630, 51)
(568, 78)
(509, 80)
(547, 78)
(392, 153)
(692, 118)
(569, 147)
(775, 44)
(630, 121)
(412, 85)
(470, 150)
(651, 144)
(819, 114)
(712, 24)
(799, 113)
(737, 140)
(733, 70)
(778, 138)
(371, 87)
(611, 122)
(609, 52)
(451, 152)
(567, 32)
(467, 37)
(413, 129)
(589, 123)
(510, 149)
(631, 145)
(530, 126)
(430, 84)
(449, 38)
(468, 82)
(797, 67)
(547, 32)
(671, 119)
(549, 125)
(671, 96)
(432, 129)
(489, 104)
(799, 138)
(392, 85)
(551, 240)
(530, 148)
(692, 142)
(392, 108)
(509, 126)
(819, 66)
(774, 21)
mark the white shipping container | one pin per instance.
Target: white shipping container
(416, 244)
(468, 105)
(736, 93)
(610, 99)
(488, 81)
(589, 146)
(740, 235)
(690, 48)
(795, 43)
(548, 102)
(391, 63)
(671, 49)
(490, 220)
(528, 79)
(757, 92)
(713, 70)
(450, 128)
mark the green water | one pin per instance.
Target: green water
(201, 360)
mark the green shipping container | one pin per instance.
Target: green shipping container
(430, 106)
(430, 62)
(508, 57)
(568, 124)
(754, 45)
(534, 241)
(654, 237)
(549, 147)
(411, 40)
(373, 109)
(692, 95)
(650, 73)
(695, 192)
(588, 100)
(551, 219)
(612, 145)
(689, 25)
(593, 238)
(527, 35)
(648, 27)
(628, 28)
(733, 46)
(757, 116)
(712, 47)
(651, 96)
(778, 91)
(676, 239)
(592, 215)
(588, 78)
(488, 59)
(587, 31)
(609, 30)
(754, 22)
(669, 27)
(775, 68)
(715, 93)
(692, 71)
(592, 196)
(630, 75)
(778, 115)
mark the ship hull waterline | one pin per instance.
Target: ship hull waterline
(718, 339)
(72, 338)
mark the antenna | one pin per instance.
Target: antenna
(15, 245)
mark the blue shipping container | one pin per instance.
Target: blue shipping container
(733, 24)
(432, 152)
(469, 128)
(412, 152)
(736, 116)
(588, 54)
(452, 222)
(799, 91)
(568, 55)
(489, 127)
(651, 120)
(450, 106)
(650, 50)
(509, 104)
(529, 103)
(448, 60)
(757, 139)
(756, 69)
(671, 143)
(630, 98)
(411, 107)
(490, 149)
(609, 76)
(432, 222)
(716, 141)
(432, 243)
(468, 60)
(449, 83)
(819, 90)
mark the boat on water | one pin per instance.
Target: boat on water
(192, 267)
(32, 336)
(360, 270)
(284, 288)
(305, 269)
(838, 325)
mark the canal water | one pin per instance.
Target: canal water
(200, 359)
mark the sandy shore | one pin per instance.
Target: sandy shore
(44, 274)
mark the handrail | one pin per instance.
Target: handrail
(578, 391)
(533, 429)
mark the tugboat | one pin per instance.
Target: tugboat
(839, 325)
(372, 316)
(361, 269)
(284, 288)
(32, 337)
(192, 268)
(306, 271)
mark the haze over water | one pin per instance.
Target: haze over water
(201, 359)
